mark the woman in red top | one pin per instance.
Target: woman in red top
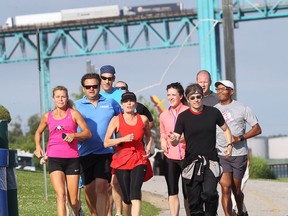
(130, 158)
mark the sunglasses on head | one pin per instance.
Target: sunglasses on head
(90, 86)
(121, 88)
(107, 78)
(193, 97)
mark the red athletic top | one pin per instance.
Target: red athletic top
(129, 154)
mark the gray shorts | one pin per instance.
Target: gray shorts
(234, 164)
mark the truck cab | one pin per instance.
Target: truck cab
(25, 161)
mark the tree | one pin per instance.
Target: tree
(33, 123)
(79, 95)
(24, 142)
(15, 130)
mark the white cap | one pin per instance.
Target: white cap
(226, 83)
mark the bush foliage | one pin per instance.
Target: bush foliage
(260, 169)
(4, 114)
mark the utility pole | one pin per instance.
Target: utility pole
(42, 111)
(229, 48)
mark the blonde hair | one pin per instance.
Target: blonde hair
(70, 103)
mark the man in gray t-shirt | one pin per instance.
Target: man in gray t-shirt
(203, 78)
(236, 116)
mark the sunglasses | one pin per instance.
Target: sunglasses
(90, 86)
(193, 97)
(121, 88)
(107, 78)
(222, 89)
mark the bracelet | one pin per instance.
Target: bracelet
(229, 144)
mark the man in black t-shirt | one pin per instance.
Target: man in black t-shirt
(201, 169)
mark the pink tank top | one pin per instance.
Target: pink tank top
(57, 147)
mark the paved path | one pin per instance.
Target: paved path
(262, 198)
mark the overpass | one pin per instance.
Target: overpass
(135, 33)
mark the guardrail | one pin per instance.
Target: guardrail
(280, 170)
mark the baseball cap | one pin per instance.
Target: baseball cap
(226, 83)
(128, 95)
(107, 69)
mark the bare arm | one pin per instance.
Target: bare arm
(163, 141)
(228, 137)
(148, 135)
(254, 131)
(43, 124)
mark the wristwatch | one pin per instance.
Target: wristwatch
(241, 137)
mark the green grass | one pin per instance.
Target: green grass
(31, 196)
(283, 179)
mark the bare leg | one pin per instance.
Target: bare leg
(72, 189)
(225, 182)
(238, 194)
(58, 182)
(174, 205)
(136, 207)
(109, 201)
(90, 197)
(117, 195)
(127, 209)
(101, 191)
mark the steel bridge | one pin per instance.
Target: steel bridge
(131, 33)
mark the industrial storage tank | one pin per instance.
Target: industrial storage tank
(278, 147)
(258, 146)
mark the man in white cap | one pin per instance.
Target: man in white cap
(236, 116)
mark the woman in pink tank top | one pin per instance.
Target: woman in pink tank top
(62, 148)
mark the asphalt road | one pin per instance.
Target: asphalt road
(262, 197)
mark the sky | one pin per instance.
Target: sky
(261, 66)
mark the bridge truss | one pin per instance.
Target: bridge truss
(138, 33)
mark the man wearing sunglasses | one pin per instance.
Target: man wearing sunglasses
(107, 75)
(236, 116)
(95, 160)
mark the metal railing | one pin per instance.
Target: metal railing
(280, 170)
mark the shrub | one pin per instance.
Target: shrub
(260, 169)
(4, 114)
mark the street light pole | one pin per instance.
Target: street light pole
(229, 48)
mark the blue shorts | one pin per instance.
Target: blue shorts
(80, 183)
(234, 164)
